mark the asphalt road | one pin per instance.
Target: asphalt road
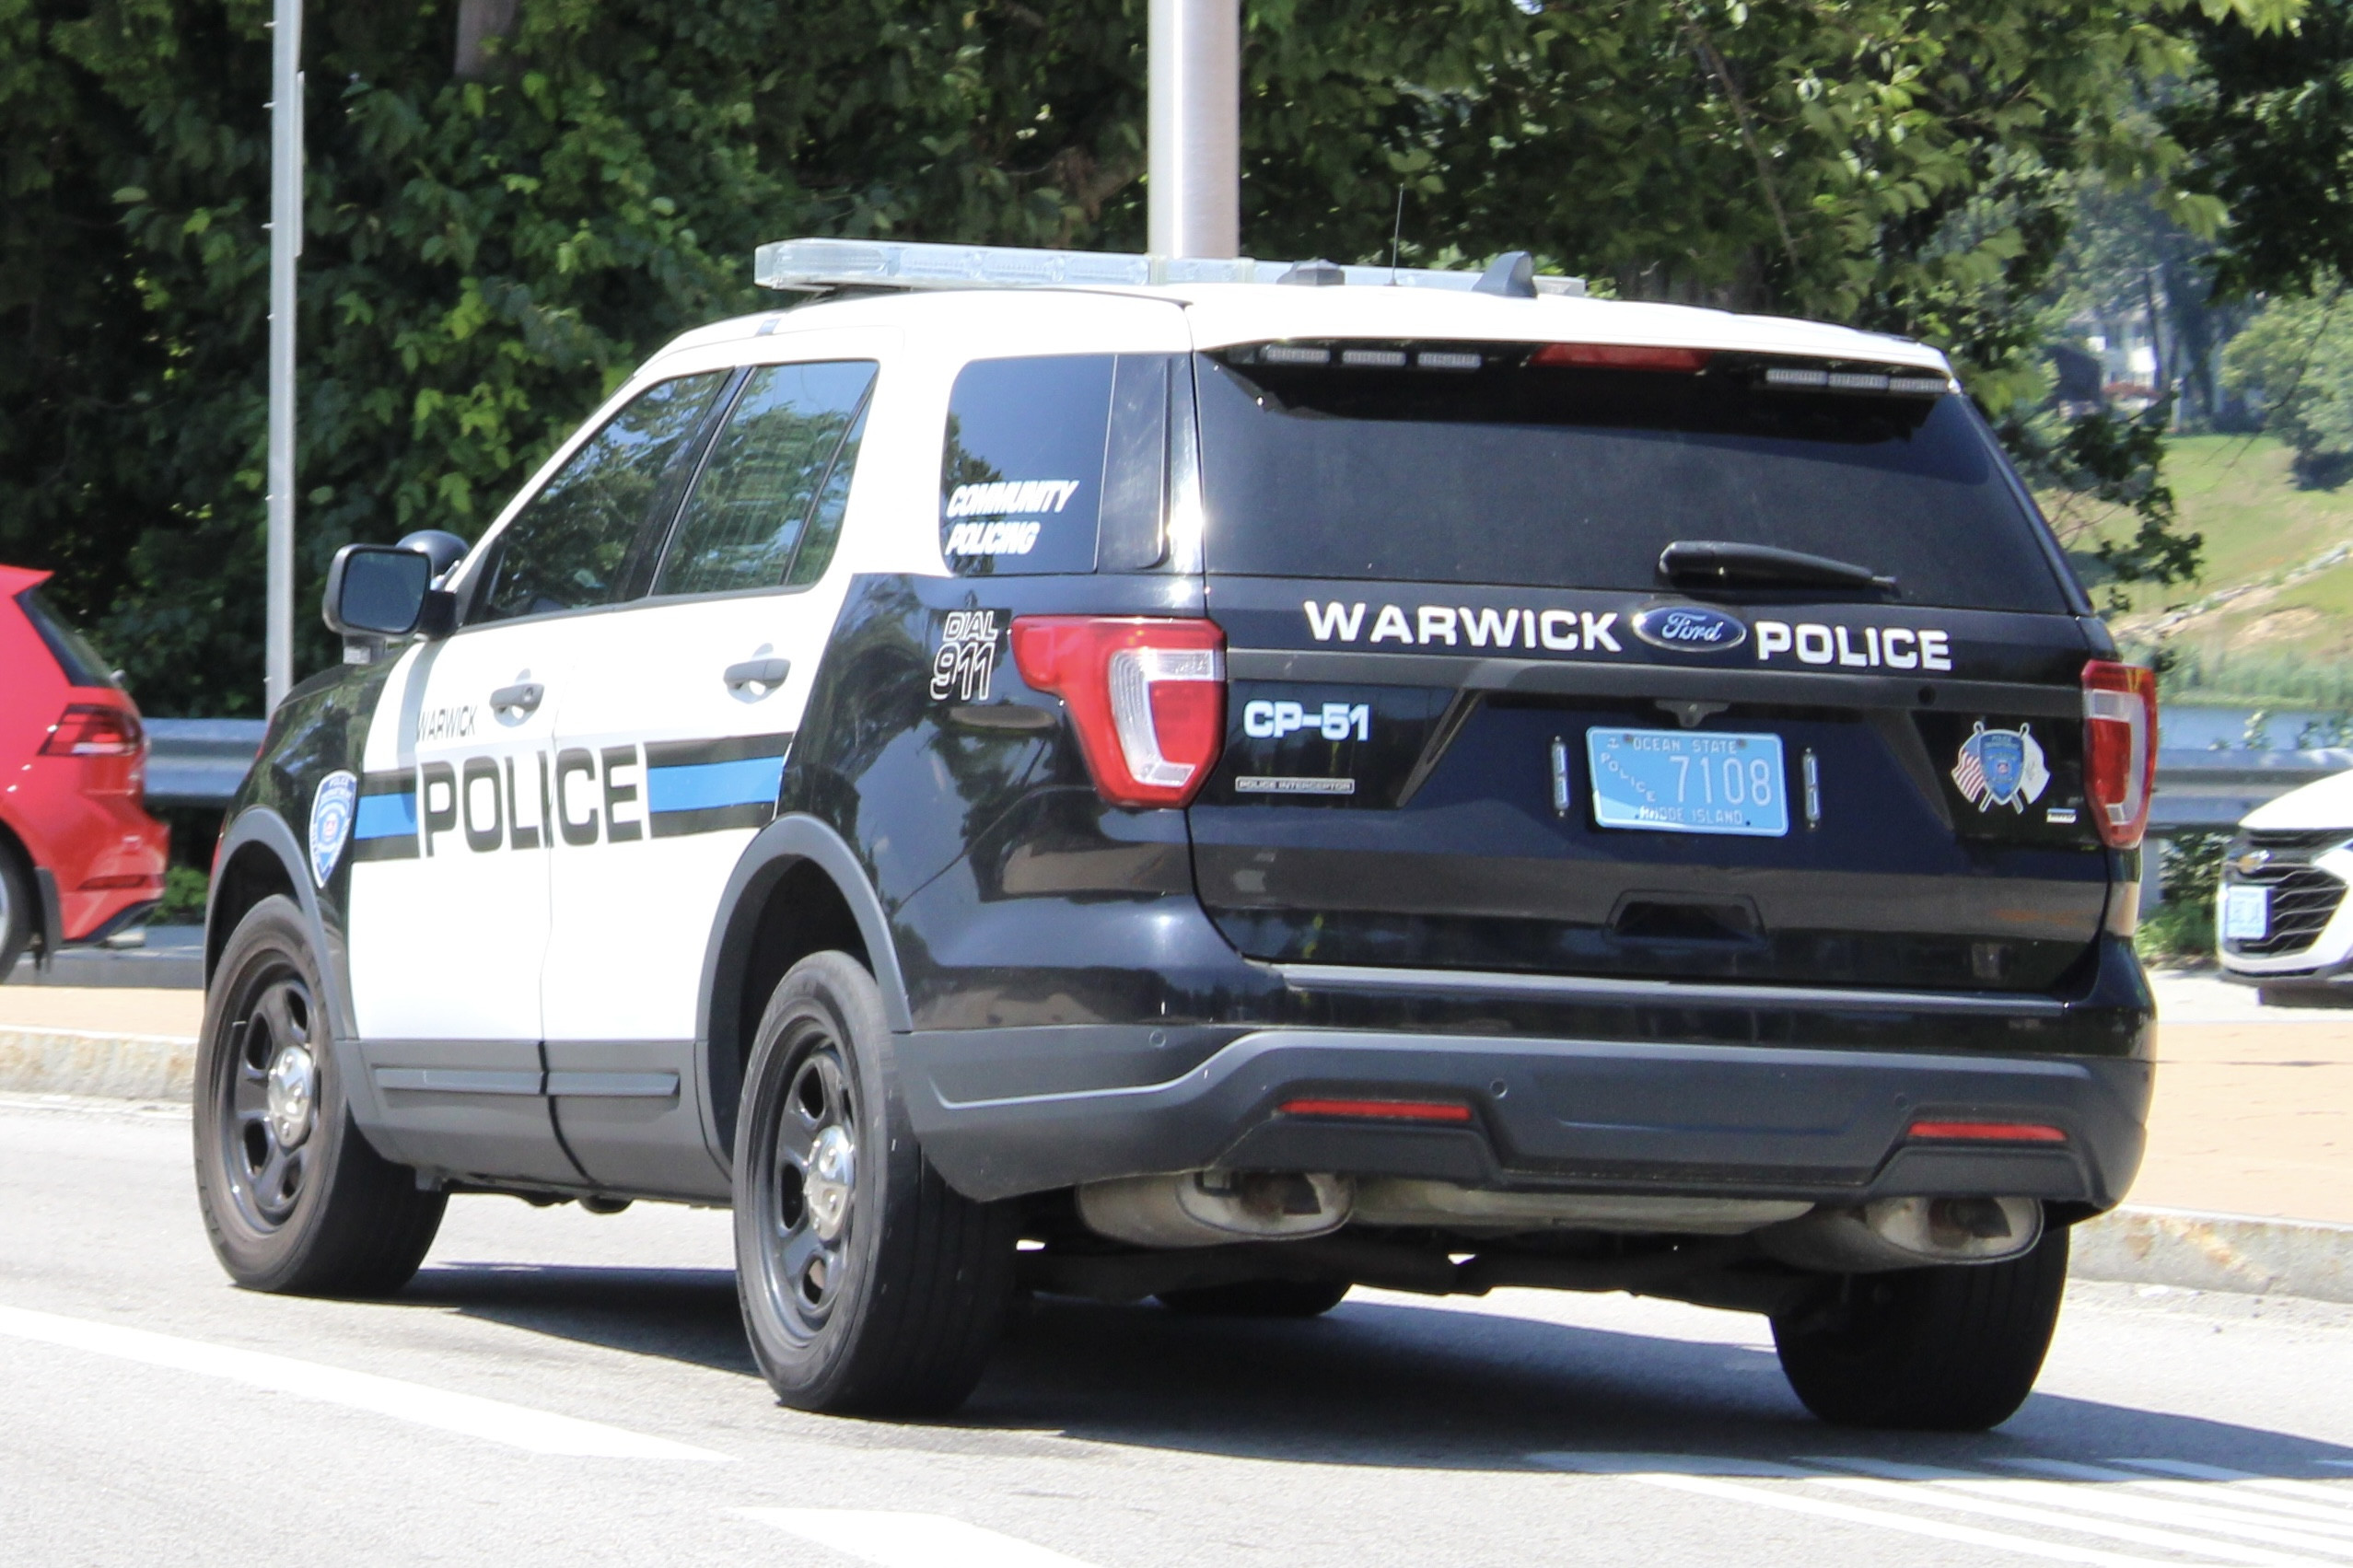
(562, 1389)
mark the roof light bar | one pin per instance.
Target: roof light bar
(818, 265)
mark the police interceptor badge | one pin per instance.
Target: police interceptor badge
(2001, 767)
(331, 818)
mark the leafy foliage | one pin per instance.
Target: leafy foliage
(2298, 356)
(488, 257)
(2269, 128)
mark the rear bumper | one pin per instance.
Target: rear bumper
(1567, 1114)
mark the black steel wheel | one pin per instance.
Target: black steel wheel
(867, 1285)
(1950, 1348)
(293, 1198)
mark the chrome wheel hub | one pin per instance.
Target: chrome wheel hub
(832, 1172)
(290, 1095)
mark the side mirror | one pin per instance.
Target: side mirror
(382, 590)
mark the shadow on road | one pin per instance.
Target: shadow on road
(1376, 1382)
(679, 1314)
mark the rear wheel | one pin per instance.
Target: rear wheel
(1257, 1299)
(17, 897)
(1950, 1349)
(867, 1285)
(294, 1199)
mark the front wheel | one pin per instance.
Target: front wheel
(867, 1285)
(294, 1199)
(1949, 1349)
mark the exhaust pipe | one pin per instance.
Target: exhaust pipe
(1205, 1208)
(1906, 1233)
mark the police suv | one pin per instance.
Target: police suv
(1219, 782)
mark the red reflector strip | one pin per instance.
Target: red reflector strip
(129, 880)
(1621, 356)
(1380, 1109)
(1989, 1131)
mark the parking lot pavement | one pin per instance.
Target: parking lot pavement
(558, 1388)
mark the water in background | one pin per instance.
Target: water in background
(2198, 729)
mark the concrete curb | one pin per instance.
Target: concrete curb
(2190, 1250)
(81, 1062)
(2180, 1248)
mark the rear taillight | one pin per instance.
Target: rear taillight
(93, 729)
(2119, 747)
(1147, 696)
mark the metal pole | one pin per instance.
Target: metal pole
(285, 245)
(1196, 128)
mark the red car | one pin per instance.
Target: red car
(80, 859)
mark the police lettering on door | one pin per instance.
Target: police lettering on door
(579, 797)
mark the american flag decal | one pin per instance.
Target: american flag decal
(2001, 767)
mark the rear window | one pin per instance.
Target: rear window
(1054, 464)
(74, 656)
(1502, 471)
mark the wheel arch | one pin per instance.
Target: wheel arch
(261, 856)
(798, 889)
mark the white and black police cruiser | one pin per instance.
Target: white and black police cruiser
(1219, 782)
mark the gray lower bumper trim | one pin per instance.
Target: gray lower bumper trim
(1625, 1116)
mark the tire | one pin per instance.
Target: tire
(869, 1287)
(1952, 1349)
(1257, 1299)
(17, 911)
(295, 1199)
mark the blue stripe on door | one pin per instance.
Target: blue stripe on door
(385, 816)
(703, 785)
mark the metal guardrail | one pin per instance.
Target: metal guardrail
(200, 763)
(2211, 790)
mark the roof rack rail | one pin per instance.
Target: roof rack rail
(818, 266)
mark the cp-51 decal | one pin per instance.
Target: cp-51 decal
(579, 796)
(1333, 721)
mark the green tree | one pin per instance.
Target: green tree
(511, 202)
(2298, 358)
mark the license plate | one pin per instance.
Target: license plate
(1686, 781)
(2246, 913)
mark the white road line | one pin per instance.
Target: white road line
(909, 1540)
(2223, 1497)
(493, 1420)
(2318, 1492)
(2049, 1502)
(1667, 1475)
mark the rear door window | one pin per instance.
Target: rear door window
(588, 536)
(73, 653)
(1468, 464)
(775, 483)
(1054, 464)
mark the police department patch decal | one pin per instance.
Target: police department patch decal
(331, 817)
(2001, 767)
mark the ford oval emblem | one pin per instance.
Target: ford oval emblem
(1690, 628)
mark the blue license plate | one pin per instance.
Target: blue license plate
(1688, 782)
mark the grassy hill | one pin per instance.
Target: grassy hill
(2271, 621)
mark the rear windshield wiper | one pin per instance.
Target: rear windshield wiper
(1706, 563)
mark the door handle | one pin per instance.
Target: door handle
(766, 673)
(520, 700)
